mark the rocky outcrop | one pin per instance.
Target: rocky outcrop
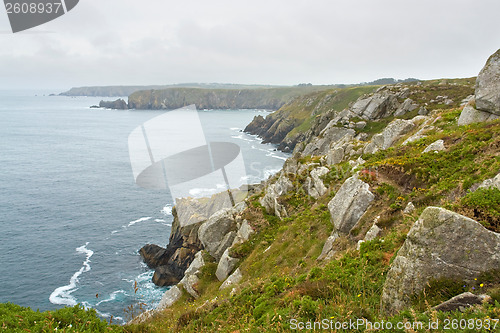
(328, 251)
(190, 278)
(408, 106)
(462, 302)
(119, 104)
(491, 183)
(225, 266)
(270, 200)
(218, 233)
(488, 86)
(169, 298)
(314, 185)
(469, 115)
(171, 262)
(389, 136)
(379, 105)
(232, 280)
(441, 244)
(349, 204)
(435, 147)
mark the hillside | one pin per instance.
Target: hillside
(386, 218)
(383, 216)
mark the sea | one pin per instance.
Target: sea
(72, 218)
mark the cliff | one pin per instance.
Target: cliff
(173, 98)
(388, 211)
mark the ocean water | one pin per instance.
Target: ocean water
(71, 217)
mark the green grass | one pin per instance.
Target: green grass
(15, 318)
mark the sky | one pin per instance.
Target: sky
(279, 42)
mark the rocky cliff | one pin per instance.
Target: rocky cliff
(388, 210)
(173, 98)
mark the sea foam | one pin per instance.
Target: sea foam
(62, 295)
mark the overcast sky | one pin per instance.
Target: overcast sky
(122, 42)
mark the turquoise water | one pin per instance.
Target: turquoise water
(72, 219)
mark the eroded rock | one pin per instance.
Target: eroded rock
(441, 244)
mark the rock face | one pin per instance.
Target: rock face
(488, 86)
(170, 263)
(314, 185)
(378, 105)
(190, 278)
(119, 104)
(470, 115)
(436, 146)
(440, 244)
(389, 136)
(169, 298)
(234, 279)
(218, 233)
(270, 200)
(349, 204)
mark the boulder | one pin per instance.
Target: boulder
(225, 266)
(470, 115)
(407, 106)
(389, 136)
(372, 233)
(488, 86)
(423, 111)
(376, 106)
(462, 302)
(410, 208)
(441, 244)
(349, 204)
(270, 200)
(219, 231)
(436, 147)
(335, 156)
(328, 252)
(491, 183)
(169, 298)
(314, 185)
(233, 279)
(190, 278)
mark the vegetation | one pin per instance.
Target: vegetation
(284, 283)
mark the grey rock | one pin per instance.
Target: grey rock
(328, 252)
(389, 136)
(335, 156)
(436, 146)
(376, 106)
(407, 106)
(349, 204)
(225, 266)
(270, 200)
(372, 233)
(169, 298)
(213, 233)
(423, 111)
(232, 280)
(360, 124)
(491, 183)
(462, 302)
(440, 244)
(358, 245)
(410, 208)
(188, 282)
(470, 115)
(488, 86)
(314, 185)
(244, 233)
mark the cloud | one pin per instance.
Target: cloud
(278, 42)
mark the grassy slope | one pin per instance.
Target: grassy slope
(283, 280)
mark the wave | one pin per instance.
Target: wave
(142, 219)
(62, 295)
(167, 210)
